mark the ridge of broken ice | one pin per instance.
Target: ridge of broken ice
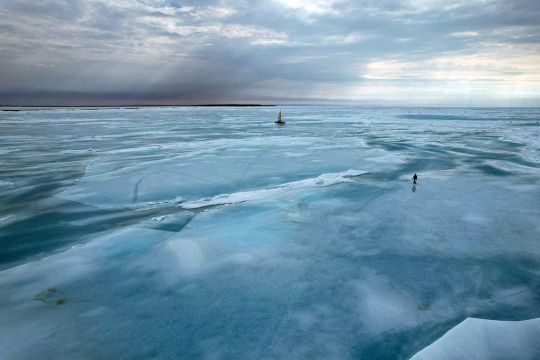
(243, 196)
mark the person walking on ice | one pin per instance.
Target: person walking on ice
(414, 178)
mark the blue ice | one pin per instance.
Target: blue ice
(179, 232)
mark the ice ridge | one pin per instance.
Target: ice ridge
(254, 195)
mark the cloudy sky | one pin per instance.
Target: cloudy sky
(374, 52)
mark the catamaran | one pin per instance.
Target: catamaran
(280, 119)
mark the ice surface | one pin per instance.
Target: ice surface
(212, 233)
(487, 339)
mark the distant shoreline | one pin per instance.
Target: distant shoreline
(92, 107)
(129, 106)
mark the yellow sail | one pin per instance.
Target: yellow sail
(279, 117)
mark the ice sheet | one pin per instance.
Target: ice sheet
(210, 232)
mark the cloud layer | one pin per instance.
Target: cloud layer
(416, 52)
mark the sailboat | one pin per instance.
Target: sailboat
(280, 119)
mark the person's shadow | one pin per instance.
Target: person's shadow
(414, 188)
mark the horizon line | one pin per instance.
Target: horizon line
(127, 106)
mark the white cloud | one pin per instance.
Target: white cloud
(308, 8)
(464, 33)
(517, 64)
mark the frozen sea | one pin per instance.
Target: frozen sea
(211, 232)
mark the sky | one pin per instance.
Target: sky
(366, 52)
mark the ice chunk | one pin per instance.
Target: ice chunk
(487, 339)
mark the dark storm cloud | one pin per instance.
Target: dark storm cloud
(125, 51)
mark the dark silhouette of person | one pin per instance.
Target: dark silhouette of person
(414, 178)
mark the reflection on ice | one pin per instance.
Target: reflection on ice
(209, 232)
(384, 307)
